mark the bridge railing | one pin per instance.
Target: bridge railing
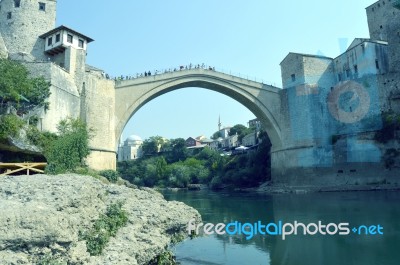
(189, 68)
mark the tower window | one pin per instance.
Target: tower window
(17, 3)
(50, 41)
(80, 43)
(58, 37)
(9, 15)
(293, 77)
(69, 38)
(42, 6)
(356, 69)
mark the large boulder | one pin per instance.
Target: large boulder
(41, 217)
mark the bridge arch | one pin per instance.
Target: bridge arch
(262, 100)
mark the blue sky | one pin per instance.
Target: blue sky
(250, 38)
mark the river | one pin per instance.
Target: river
(372, 209)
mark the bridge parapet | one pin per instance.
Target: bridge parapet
(194, 71)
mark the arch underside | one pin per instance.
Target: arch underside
(245, 96)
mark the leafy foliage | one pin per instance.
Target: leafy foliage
(110, 175)
(165, 258)
(68, 151)
(105, 227)
(391, 124)
(177, 150)
(49, 259)
(240, 130)
(16, 85)
(153, 145)
(10, 125)
(177, 169)
(216, 135)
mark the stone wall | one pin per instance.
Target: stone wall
(384, 24)
(64, 99)
(292, 65)
(98, 111)
(380, 15)
(21, 31)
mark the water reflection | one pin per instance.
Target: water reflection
(362, 208)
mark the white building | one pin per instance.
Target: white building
(216, 144)
(224, 132)
(130, 149)
(230, 141)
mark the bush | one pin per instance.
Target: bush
(216, 183)
(49, 259)
(68, 151)
(179, 175)
(16, 86)
(40, 139)
(103, 228)
(165, 258)
(391, 123)
(111, 175)
(10, 125)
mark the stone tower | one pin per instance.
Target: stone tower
(384, 24)
(21, 24)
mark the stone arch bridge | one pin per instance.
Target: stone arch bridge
(263, 100)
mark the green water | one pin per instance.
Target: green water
(361, 208)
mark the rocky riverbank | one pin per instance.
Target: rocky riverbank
(41, 218)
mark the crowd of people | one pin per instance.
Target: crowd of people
(156, 72)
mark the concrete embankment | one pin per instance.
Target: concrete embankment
(42, 216)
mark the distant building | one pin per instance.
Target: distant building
(224, 132)
(216, 144)
(255, 124)
(206, 141)
(131, 149)
(230, 142)
(250, 139)
(192, 142)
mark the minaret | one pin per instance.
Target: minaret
(219, 123)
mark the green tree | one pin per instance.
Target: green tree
(179, 175)
(161, 167)
(240, 130)
(178, 151)
(216, 135)
(16, 85)
(149, 147)
(152, 145)
(69, 150)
